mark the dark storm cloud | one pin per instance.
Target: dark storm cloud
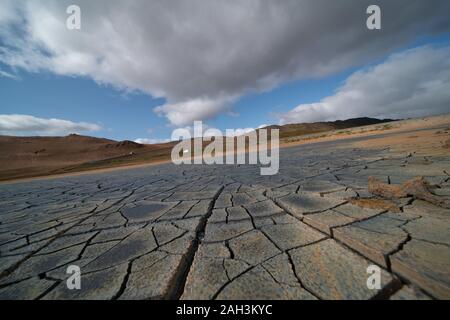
(203, 55)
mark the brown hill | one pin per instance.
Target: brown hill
(298, 129)
(34, 156)
(22, 157)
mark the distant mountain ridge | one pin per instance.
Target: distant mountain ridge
(35, 156)
(298, 129)
(32, 156)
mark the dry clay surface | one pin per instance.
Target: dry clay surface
(226, 232)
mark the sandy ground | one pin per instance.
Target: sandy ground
(396, 130)
(425, 142)
(86, 172)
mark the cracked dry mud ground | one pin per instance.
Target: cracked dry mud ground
(225, 232)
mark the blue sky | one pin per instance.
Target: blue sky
(121, 115)
(128, 116)
(48, 72)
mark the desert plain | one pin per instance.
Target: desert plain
(161, 231)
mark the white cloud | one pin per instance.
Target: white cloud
(151, 141)
(413, 83)
(186, 112)
(202, 55)
(21, 125)
(8, 75)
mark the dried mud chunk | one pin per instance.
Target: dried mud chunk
(417, 187)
